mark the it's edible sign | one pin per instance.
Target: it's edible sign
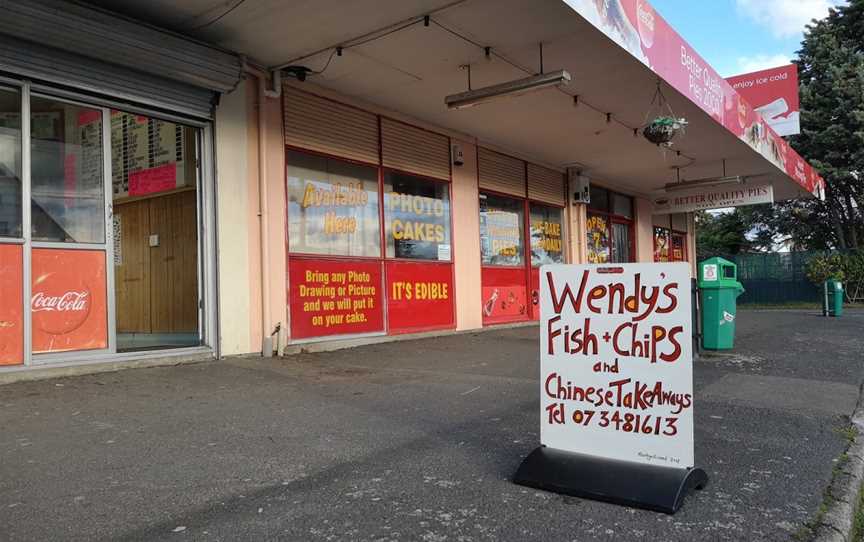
(616, 361)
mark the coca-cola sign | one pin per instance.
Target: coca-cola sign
(68, 300)
(11, 305)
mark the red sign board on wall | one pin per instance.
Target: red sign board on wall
(419, 296)
(505, 295)
(68, 300)
(11, 305)
(334, 297)
(774, 94)
(638, 28)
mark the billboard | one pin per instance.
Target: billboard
(773, 93)
(712, 197)
(635, 26)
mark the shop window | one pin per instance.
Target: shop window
(502, 227)
(661, 245)
(622, 206)
(669, 246)
(679, 252)
(67, 197)
(10, 163)
(547, 245)
(599, 199)
(599, 243)
(332, 207)
(416, 217)
(609, 230)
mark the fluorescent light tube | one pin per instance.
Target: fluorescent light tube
(712, 181)
(511, 88)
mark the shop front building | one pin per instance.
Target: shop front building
(106, 190)
(281, 179)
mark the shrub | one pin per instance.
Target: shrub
(846, 267)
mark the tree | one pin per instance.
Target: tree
(831, 76)
(721, 234)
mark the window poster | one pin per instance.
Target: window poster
(678, 247)
(417, 217)
(597, 233)
(332, 207)
(334, 297)
(68, 300)
(419, 296)
(504, 295)
(501, 230)
(661, 245)
(12, 305)
(546, 235)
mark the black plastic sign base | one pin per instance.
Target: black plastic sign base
(652, 487)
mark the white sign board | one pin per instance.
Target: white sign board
(713, 197)
(616, 361)
(709, 271)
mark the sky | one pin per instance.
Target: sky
(740, 36)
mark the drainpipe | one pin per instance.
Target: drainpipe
(267, 345)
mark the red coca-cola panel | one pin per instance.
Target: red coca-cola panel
(419, 297)
(68, 300)
(505, 295)
(11, 305)
(334, 297)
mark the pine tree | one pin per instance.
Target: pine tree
(831, 75)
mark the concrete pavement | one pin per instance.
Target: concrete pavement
(409, 441)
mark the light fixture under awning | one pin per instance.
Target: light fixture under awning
(518, 87)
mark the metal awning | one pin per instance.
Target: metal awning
(392, 59)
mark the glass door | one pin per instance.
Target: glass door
(11, 230)
(69, 306)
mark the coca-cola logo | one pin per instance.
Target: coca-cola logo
(645, 22)
(60, 304)
(69, 301)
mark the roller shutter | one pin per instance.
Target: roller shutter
(414, 150)
(322, 125)
(95, 51)
(545, 184)
(500, 173)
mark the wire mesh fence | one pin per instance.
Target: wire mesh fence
(775, 277)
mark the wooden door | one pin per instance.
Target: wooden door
(174, 263)
(132, 267)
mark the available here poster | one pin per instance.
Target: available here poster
(11, 305)
(616, 362)
(334, 297)
(68, 300)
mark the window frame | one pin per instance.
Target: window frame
(617, 219)
(450, 225)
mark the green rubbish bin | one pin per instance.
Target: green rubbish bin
(832, 301)
(718, 291)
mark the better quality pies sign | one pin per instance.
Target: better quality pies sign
(616, 362)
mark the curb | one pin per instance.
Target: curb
(837, 522)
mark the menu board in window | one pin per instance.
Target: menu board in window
(148, 155)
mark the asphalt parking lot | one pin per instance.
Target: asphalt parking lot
(413, 440)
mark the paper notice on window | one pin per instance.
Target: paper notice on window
(443, 252)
